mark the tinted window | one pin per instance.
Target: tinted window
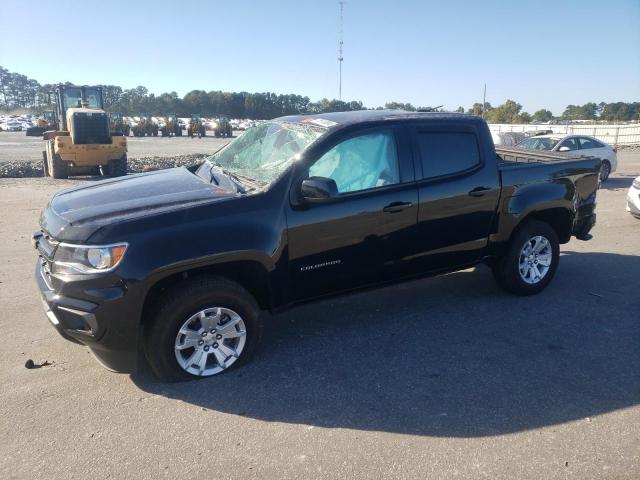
(586, 143)
(359, 163)
(446, 153)
(570, 143)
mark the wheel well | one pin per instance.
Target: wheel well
(250, 275)
(558, 218)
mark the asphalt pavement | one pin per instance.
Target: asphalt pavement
(446, 377)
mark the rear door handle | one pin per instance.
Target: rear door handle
(478, 191)
(395, 207)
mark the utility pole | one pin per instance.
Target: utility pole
(340, 58)
(484, 99)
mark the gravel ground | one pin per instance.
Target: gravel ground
(441, 378)
(21, 156)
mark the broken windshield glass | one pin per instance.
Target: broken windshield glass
(263, 152)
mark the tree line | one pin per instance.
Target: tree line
(17, 91)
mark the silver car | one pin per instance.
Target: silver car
(578, 145)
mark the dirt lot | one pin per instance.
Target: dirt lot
(446, 377)
(17, 146)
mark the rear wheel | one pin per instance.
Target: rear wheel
(530, 261)
(203, 328)
(116, 168)
(605, 170)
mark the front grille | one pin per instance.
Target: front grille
(46, 247)
(90, 128)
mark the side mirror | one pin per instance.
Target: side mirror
(564, 149)
(318, 189)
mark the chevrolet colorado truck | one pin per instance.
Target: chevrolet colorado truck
(179, 263)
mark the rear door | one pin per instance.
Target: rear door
(349, 241)
(588, 146)
(571, 146)
(458, 190)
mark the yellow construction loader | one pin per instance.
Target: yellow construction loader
(83, 144)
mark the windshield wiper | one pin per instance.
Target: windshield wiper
(239, 180)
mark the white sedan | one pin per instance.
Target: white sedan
(633, 198)
(578, 145)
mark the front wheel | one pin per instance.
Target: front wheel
(56, 167)
(203, 328)
(530, 261)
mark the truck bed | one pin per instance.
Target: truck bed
(515, 157)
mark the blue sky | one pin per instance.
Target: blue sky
(539, 53)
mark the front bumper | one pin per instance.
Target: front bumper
(96, 312)
(633, 201)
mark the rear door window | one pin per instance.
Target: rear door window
(570, 143)
(587, 143)
(447, 153)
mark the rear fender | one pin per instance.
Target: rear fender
(533, 200)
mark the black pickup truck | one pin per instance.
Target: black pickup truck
(179, 263)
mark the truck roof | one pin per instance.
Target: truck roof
(336, 120)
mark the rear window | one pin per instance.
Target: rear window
(446, 153)
(538, 143)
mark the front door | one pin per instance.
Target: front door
(345, 242)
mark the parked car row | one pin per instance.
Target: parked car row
(210, 124)
(20, 123)
(17, 123)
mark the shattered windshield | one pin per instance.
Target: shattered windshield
(263, 152)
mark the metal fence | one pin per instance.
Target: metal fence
(616, 135)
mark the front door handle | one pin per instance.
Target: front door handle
(478, 191)
(395, 207)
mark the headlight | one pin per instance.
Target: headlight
(78, 259)
(636, 183)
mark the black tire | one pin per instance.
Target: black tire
(605, 170)
(117, 168)
(45, 164)
(59, 168)
(186, 300)
(506, 269)
(56, 167)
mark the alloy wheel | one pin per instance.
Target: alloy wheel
(210, 341)
(535, 259)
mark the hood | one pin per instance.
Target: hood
(77, 212)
